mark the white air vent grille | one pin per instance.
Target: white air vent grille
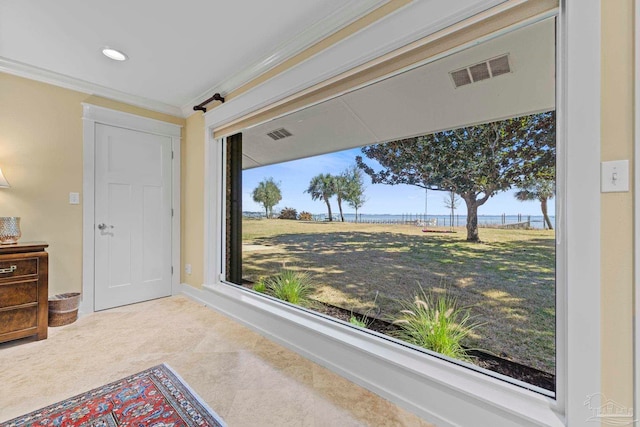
(482, 71)
(461, 77)
(499, 65)
(479, 72)
(279, 134)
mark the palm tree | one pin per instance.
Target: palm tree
(541, 189)
(323, 187)
(341, 185)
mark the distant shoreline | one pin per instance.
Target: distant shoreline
(256, 213)
(535, 221)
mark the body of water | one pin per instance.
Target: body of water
(535, 221)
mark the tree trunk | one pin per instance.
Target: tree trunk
(543, 206)
(329, 209)
(340, 208)
(356, 215)
(451, 217)
(266, 211)
(472, 219)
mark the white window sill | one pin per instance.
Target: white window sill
(440, 391)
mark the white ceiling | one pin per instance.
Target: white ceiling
(180, 52)
(420, 101)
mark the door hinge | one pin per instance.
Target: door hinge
(172, 154)
(172, 269)
(171, 212)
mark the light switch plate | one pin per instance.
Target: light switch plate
(614, 176)
(74, 198)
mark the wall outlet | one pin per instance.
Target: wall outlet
(187, 268)
(74, 198)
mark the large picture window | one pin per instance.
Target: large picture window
(420, 207)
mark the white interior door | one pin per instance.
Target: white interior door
(132, 216)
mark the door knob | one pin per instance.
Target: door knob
(103, 226)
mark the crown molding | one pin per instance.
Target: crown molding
(349, 12)
(45, 76)
(341, 17)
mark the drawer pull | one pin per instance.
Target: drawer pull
(10, 269)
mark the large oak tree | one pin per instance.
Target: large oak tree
(475, 162)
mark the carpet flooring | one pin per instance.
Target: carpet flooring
(247, 379)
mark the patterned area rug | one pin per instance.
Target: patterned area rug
(157, 397)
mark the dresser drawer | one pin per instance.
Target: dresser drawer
(18, 267)
(24, 282)
(18, 318)
(18, 293)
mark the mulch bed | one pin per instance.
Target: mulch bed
(485, 360)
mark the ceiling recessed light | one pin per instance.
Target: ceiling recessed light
(114, 54)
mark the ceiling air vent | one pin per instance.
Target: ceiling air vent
(461, 77)
(479, 72)
(499, 65)
(279, 134)
(482, 71)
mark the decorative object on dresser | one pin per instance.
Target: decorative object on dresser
(9, 225)
(9, 230)
(24, 290)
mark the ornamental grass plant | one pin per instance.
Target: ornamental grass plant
(435, 322)
(365, 319)
(291, 286)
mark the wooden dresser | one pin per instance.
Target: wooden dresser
(24, 293)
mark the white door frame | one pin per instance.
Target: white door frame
(92, 115)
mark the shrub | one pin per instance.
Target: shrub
(288, 213)
(260, 286)
(357, 321)
(364, 320)
(435, 322)
(291, 286)
(305, 216)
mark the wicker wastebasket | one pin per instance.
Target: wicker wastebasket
(63, 309)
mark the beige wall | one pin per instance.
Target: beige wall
(192, 214)
(617, 208)
(41, 157)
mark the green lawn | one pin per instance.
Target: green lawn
(508, 281)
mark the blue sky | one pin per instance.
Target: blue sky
(294, 179)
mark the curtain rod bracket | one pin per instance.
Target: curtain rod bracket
(201, 106)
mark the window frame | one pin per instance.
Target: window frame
(437, 390)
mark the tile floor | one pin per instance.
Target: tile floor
(247, 379)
